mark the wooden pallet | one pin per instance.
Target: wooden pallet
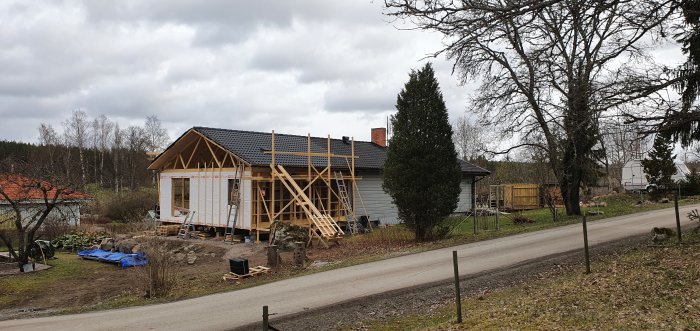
(254, 271)
(167, 230)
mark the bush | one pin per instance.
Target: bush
(158, 277)
(691, 184)
(129, 206)
(54, 228)
(78, 240)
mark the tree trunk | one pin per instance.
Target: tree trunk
(82, 167)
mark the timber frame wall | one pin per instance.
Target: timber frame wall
(269, 199)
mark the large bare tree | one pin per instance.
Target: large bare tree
(549, 69)
(31, 192)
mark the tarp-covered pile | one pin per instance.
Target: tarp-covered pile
(123, 260)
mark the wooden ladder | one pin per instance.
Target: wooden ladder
(345, 202)
(323, 227)
(186, 226)
(235, 203)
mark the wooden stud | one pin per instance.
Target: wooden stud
(213, 155)
(193, 152)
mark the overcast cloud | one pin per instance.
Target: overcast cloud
(319, 67)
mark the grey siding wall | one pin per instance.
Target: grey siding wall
(379, 205)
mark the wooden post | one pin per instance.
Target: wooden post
(273, 257)
(678, 218)
(299, 254)
(458, 295)
(585, 245)
(272, 175)
(266, 316)
(328, 189)
(352, 175)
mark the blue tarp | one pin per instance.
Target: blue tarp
(124, 260)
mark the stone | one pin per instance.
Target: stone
(191, 257)
(126, 246)
(179, 257)
(285, 236)
(107, 244)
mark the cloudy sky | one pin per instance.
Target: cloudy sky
(319, 67)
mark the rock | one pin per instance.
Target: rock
(107, 244)
(665, 200)
(318, 264)
(126, 246)
(286, 235)
(191, 257)
(179, 257)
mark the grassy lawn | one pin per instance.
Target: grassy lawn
(67, 270)
(655, 288)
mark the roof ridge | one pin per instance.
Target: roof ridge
(276, 134)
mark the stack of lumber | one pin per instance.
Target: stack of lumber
(254, 271)
(167, 230)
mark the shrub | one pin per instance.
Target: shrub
(691, 184)
(129, 206)
(158, 277)
(78, 240)
(53, 228)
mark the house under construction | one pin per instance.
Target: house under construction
(245, 180)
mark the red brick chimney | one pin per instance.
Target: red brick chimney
(379, 136)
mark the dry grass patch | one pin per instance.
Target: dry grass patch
(655, 288)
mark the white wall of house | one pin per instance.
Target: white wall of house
(465, 196)
(68, 212)
(380, 207)
(208, 197)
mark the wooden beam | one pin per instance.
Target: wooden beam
(213, 155)
(192, 154)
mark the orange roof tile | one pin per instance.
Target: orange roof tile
(18, 187)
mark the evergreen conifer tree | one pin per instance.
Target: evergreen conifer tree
(422, 172)
(659, 166)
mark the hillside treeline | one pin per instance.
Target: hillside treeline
(94, 151)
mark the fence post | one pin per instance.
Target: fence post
(266, 323)
(458, 296)
(678, 218)
(585, 244)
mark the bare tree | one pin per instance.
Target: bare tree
(31, 195)
(49, 139)
(76, 131)
(469, 138)
(155, 135)
(117, 146)
(102, 130)
(549, 69)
